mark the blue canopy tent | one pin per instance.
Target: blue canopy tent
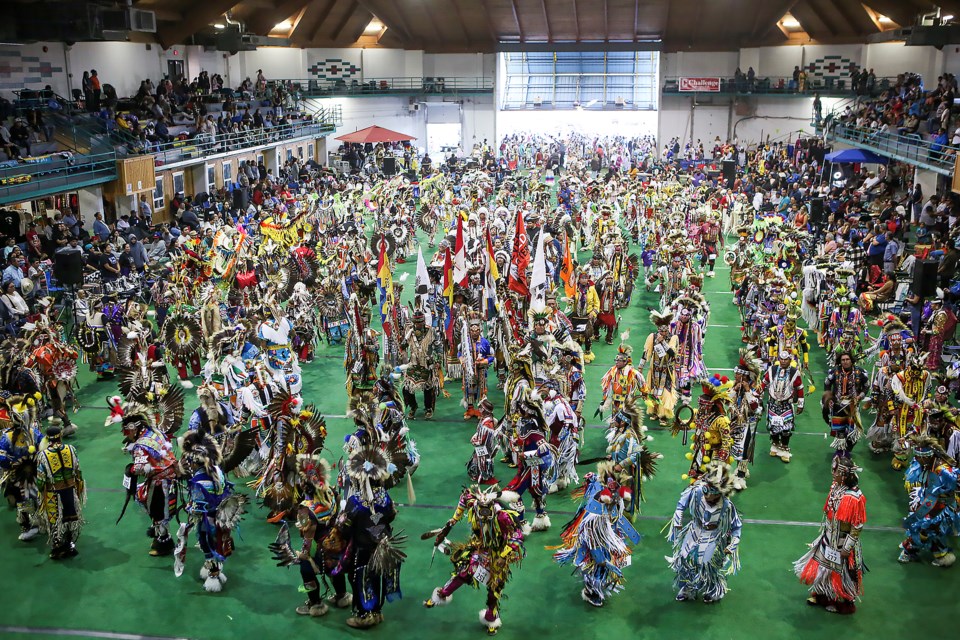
(858, 156)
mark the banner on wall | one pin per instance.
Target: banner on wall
(700, 84)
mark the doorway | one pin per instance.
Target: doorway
(175, 70)
(443, 138)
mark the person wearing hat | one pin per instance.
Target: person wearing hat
(475, 355)
(480, 468)
(833, 567)
(61, 494)
(783, 383)
(941, 323)
(705, 549)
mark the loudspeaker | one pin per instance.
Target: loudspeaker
(925, 278)
(729, 172)
(240, 198)
(818, 214)
(389, 165)
(68, 266)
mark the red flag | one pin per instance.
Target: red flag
(460, 275)
(566, 271)
(519, 260)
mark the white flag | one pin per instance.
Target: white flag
(538, 280)
(422, 287)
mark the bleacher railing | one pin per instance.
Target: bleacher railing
(910, 148)
(314, 88)
(54, 173)
(202, 145)
(785, 86)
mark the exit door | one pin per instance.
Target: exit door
(175, 70)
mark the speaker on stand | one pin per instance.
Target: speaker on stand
(925, 278)
(389, 165)
(729, 173)
(240, 198)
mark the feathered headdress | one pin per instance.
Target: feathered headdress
(749, 364)
(198, 450)
(625, 350)
(368, 467)
(661, 318)
(717, 478)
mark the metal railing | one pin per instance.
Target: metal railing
(53, 173)
(785, 87)
(317, 88)
(203, 145)
(910, 148)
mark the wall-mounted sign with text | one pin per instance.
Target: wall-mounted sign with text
(700, 84)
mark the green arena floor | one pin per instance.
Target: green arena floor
(114, 587)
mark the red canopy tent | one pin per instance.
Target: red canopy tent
(375, 134)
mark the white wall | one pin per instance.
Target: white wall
(761, 117)
(458, 65)
(890, 58)
(121, 64)
(210, 61)
(722, 63)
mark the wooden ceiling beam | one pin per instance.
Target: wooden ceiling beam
(437, 33)
(263, 21)
(494, 38)
(351, 9)
(516, 19)
(397, 26)
(769, 15)
(197, 18)
(606, 21)
(576, 19)
(636, 19)
(546, 20)
(461, 21)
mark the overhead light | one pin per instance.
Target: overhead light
(946, 18)
(219, 26)
(374, 27)
(791, 23)
(884, 19)
(281, 26)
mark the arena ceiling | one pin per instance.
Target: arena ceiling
(479, 25)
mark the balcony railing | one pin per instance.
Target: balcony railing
(368, 87)
(826, 87)
(201, 146)
(54, 173)
(910, 148)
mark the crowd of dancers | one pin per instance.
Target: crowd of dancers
(515, 281)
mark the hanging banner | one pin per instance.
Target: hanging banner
(700, 84)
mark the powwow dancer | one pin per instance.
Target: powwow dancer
(487, 557)
(706, 548)
(61, 494)
(595, 540)
(833, 568)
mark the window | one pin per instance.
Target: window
(227, 174)
(310, 152)
(300, 153)
(211, 178)
(289, 154)
(178, 182)
(580, 79)
(158, 194)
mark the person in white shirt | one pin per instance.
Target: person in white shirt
(14, 302)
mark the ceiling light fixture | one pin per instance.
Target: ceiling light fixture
(219, 26)
(884, 19)
(373, 27)
(280, 26)
(790, 23)
(946, 18)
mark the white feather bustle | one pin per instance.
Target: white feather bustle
(438, 600)
(541, 522)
